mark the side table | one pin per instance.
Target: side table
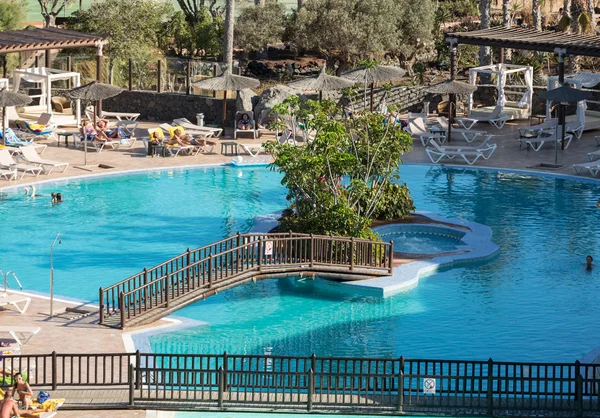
(64, 134)
(229, 147)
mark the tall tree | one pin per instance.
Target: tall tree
(12, 14)
(536, 13)
(52, 8)
(229, 31)
(258, 26)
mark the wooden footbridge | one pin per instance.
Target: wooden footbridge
(197, 274)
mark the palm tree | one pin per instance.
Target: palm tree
(506, 18)
(485, 10)
(536, 14)
(228, 41)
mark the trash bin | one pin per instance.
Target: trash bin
(200, 119)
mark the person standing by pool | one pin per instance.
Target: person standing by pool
(589, 262)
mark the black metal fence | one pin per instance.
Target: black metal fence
(313, 383)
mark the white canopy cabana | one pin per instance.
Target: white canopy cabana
(515, 110)
(45, 76)
(579, 80)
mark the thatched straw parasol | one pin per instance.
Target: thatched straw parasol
(451, 87)
(564, 94)
(227, 81)
(321, 83)
(377, 74)
(9, 98)
(93, 92)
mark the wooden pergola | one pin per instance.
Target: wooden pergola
(560, 43)
(46, 39)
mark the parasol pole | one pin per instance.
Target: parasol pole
(372, 87)
(224, 107)
(4, 125)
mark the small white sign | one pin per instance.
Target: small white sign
(268, 247)
(429, 385)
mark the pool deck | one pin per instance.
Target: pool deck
(508, 155)
(68, 334)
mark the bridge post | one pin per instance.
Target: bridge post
(351, 253)
(400, 399)
(312, 250)
(579, 394)
(54, 371)
(147, 291)
(490, 387)
(210, 266)
(188, 258)
(131, 382)
(122, 308)
(101, 305)
(167, 289)
(391, 266)
(260, 251)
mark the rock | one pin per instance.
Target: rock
(271, 97)
(246, 100)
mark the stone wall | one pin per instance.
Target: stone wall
(153, 106)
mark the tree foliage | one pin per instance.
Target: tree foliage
(259, 25)
(12, 14)
(201, 38)
(355, 29)
(346, 176)
(133, 26)
(52, 8)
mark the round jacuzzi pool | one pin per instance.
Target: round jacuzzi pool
(422, 238)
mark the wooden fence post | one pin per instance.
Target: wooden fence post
(167, 286)
(352, 254)
(214, 75)
(130, 74)
(311, 389)
(312, 250)
(579, 394)
(188, 77)
(131, 381)
(138, 365)
(490, 387)
(391, 266)
(54, 369)
(221, 386)
(400, 399)
(158, 87)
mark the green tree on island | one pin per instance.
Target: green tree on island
(346, 176)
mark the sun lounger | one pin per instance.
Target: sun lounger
(592, 167)
(6, 161)
(594, 155)
(543, 136)
(12, 140)
(32, 157)
(120, 115)
(14, 300)
(36, 130)
(128, 128)
(467, 153)
(469, 135)
(252, 149)
(495, 117)
(8, 174)
(193, 127)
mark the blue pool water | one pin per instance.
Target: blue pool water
(412, 243)
(533, 302)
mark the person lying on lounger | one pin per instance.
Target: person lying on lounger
(104, 133)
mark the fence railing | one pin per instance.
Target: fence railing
(220, 263)
(318, 383)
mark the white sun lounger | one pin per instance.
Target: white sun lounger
(467, 153)
(8, 174)
(252, 149)
(495, 117)
(120, 115)
(14, 300)
(593, 167)
(469, 135)
(32, 157)
(545, 135)
(7, 161)
(594, 155)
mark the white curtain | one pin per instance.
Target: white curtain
(501, 94)
(472, 80)
(527, 98)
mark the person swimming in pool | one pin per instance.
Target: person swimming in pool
(589, 263)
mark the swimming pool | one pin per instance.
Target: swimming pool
(533, 302)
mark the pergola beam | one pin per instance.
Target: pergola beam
(38, 39)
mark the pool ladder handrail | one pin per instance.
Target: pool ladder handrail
(14, 275)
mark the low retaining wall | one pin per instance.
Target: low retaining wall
(155, 106)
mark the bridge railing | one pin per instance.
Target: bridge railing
(202, 268)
